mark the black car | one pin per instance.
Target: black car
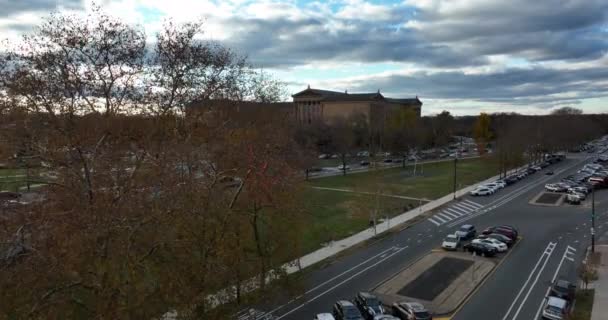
(563, 289)
(511, 180)
(346, 310)
(480, 249)
(411, 311)
(364, 163)
(500, 237)
(387, 160)
(369, 305)
(549, 173)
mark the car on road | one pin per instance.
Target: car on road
(563, 289)
(451, 242)
(480, 249)
(555, 308)
(481, 191)
(494, 185)
(555, 187)
(536, 168)
(411, 311)
(389, 160)
(466, 231)
(364, 163)
(499, 246)
(500, 237)
(549, 173)
(324, 316)
(346, 310)
(343, 167)
(511, 180)
(369, 305)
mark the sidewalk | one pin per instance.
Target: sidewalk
(600, 300)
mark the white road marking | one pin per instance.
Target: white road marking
(547, 252)
(438, 218)
(463, 207)
(453, 215)
(458, 209)
(473, 203)
(460, 214)
(569, 250)
(337, 285)
(433, 221)
(445, 216)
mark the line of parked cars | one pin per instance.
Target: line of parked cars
(557, 305)
(578, 186)
(493, 187)
(367, 306)
(491, 241)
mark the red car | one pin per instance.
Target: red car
(504, 231)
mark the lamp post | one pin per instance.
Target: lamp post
(454, 188)
(593, 219)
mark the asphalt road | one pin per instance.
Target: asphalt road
(553, 244)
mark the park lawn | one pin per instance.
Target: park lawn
(334, 215)
(583, 305)
(432, 180)
(15, 179)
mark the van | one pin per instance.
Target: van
(555, 308)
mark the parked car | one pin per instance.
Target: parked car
(364, 163)
(346, 310)
(451, 242)
(536, 168)
(411, 311)
(369, 305)
(508, 227)
(481, 191)
(549, 173)
(466, 231)
(511, 180)
(581, 195)
(385, 317)
(555, 308)
(323, 156)
(503, 231)
(563, 289)
(324, 316)
(572, 199)
(555, 187)
(343, 167)
(499, 246)
(500, 237)
(480, 249)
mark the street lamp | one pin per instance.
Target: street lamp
(593, 218)
(455, 160)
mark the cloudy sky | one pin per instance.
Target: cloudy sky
(465, 56)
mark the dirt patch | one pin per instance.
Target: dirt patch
(548, 199)
(436, 279)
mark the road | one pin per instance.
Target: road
(554, 242)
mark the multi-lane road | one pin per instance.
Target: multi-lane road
(554, 241)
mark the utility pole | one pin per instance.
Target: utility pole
(455, 160)
(593, 219)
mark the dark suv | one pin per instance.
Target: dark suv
(480, 249)
(369, 305)
(466, 231)
(346, 310)
(563, 289)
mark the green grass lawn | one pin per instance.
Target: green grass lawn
(335, 215)
(584, 305)
(432, 180)
(15, 179)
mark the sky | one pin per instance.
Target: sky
(464, 56)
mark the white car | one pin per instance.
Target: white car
(324, 316)
(481, 191)
(499, 246)
(343, 167)
(494, 185)
(553, 187)
(451, 242)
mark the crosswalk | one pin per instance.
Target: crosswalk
(455, 211)
(253, 314)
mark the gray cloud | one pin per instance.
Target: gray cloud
(538, 86)
(285, 43)
(10, 7)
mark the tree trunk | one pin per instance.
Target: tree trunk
(258, 245)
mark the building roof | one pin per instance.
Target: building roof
(327, 95)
